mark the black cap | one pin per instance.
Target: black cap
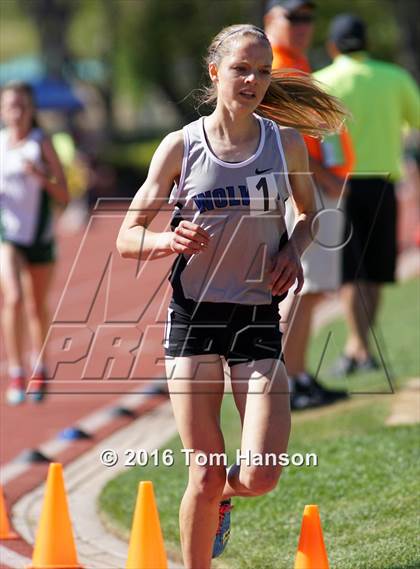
(289, 5)
(348, 32)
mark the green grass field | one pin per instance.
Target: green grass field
(366, 483)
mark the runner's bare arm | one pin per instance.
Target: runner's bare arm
(134, 240)
(288, 267)
(303, 191)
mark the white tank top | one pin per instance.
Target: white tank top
(20, 193)
(241, 205)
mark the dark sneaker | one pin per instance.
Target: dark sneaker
(299, 402)
(15, 393)
(329, 395)
(223, 530)
(344, 366)
(38, 389)
(369, 364)
(308, 393)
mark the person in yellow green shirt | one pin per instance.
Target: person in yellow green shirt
(383, 99)
(289, 24)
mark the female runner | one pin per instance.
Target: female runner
(31, 180)
(228, 175)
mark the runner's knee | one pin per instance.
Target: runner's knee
(12, 298)
(259, 480)
(208, 481)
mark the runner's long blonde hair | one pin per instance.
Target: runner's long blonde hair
(293, 98)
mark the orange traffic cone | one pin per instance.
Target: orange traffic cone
(5, 531)
(146, 549)
(311, 553)
(54, 544)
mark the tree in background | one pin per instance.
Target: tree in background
(165, 42)
(52, 19)
(146, 43)
(408, 15)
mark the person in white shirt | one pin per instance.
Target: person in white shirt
(31, 179)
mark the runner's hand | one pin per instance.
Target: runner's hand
(189, 238)
(33, 170)
(287, 268)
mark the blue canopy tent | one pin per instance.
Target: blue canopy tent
(50, 93)
(55, 94)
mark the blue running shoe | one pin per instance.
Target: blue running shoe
(223, 531)
(38, 388)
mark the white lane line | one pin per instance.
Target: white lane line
(13, 559)
(84, 479)
(12, 470)
(90, 423)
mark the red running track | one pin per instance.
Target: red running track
(105, 340)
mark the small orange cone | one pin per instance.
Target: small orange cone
(146, 549)
(311, 553)
(5, 531)
(54, 544)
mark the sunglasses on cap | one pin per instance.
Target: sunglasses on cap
(300, 18)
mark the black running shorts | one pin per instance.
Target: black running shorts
(371, 214)
(36, 254)
(240, 333)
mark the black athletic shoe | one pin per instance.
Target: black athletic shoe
(308, 393)
(330, 395)
(346, 365)
(343, 366)
(369, 364)
(300, 402)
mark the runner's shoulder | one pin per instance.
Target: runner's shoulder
(173, 143)
(169, 153)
